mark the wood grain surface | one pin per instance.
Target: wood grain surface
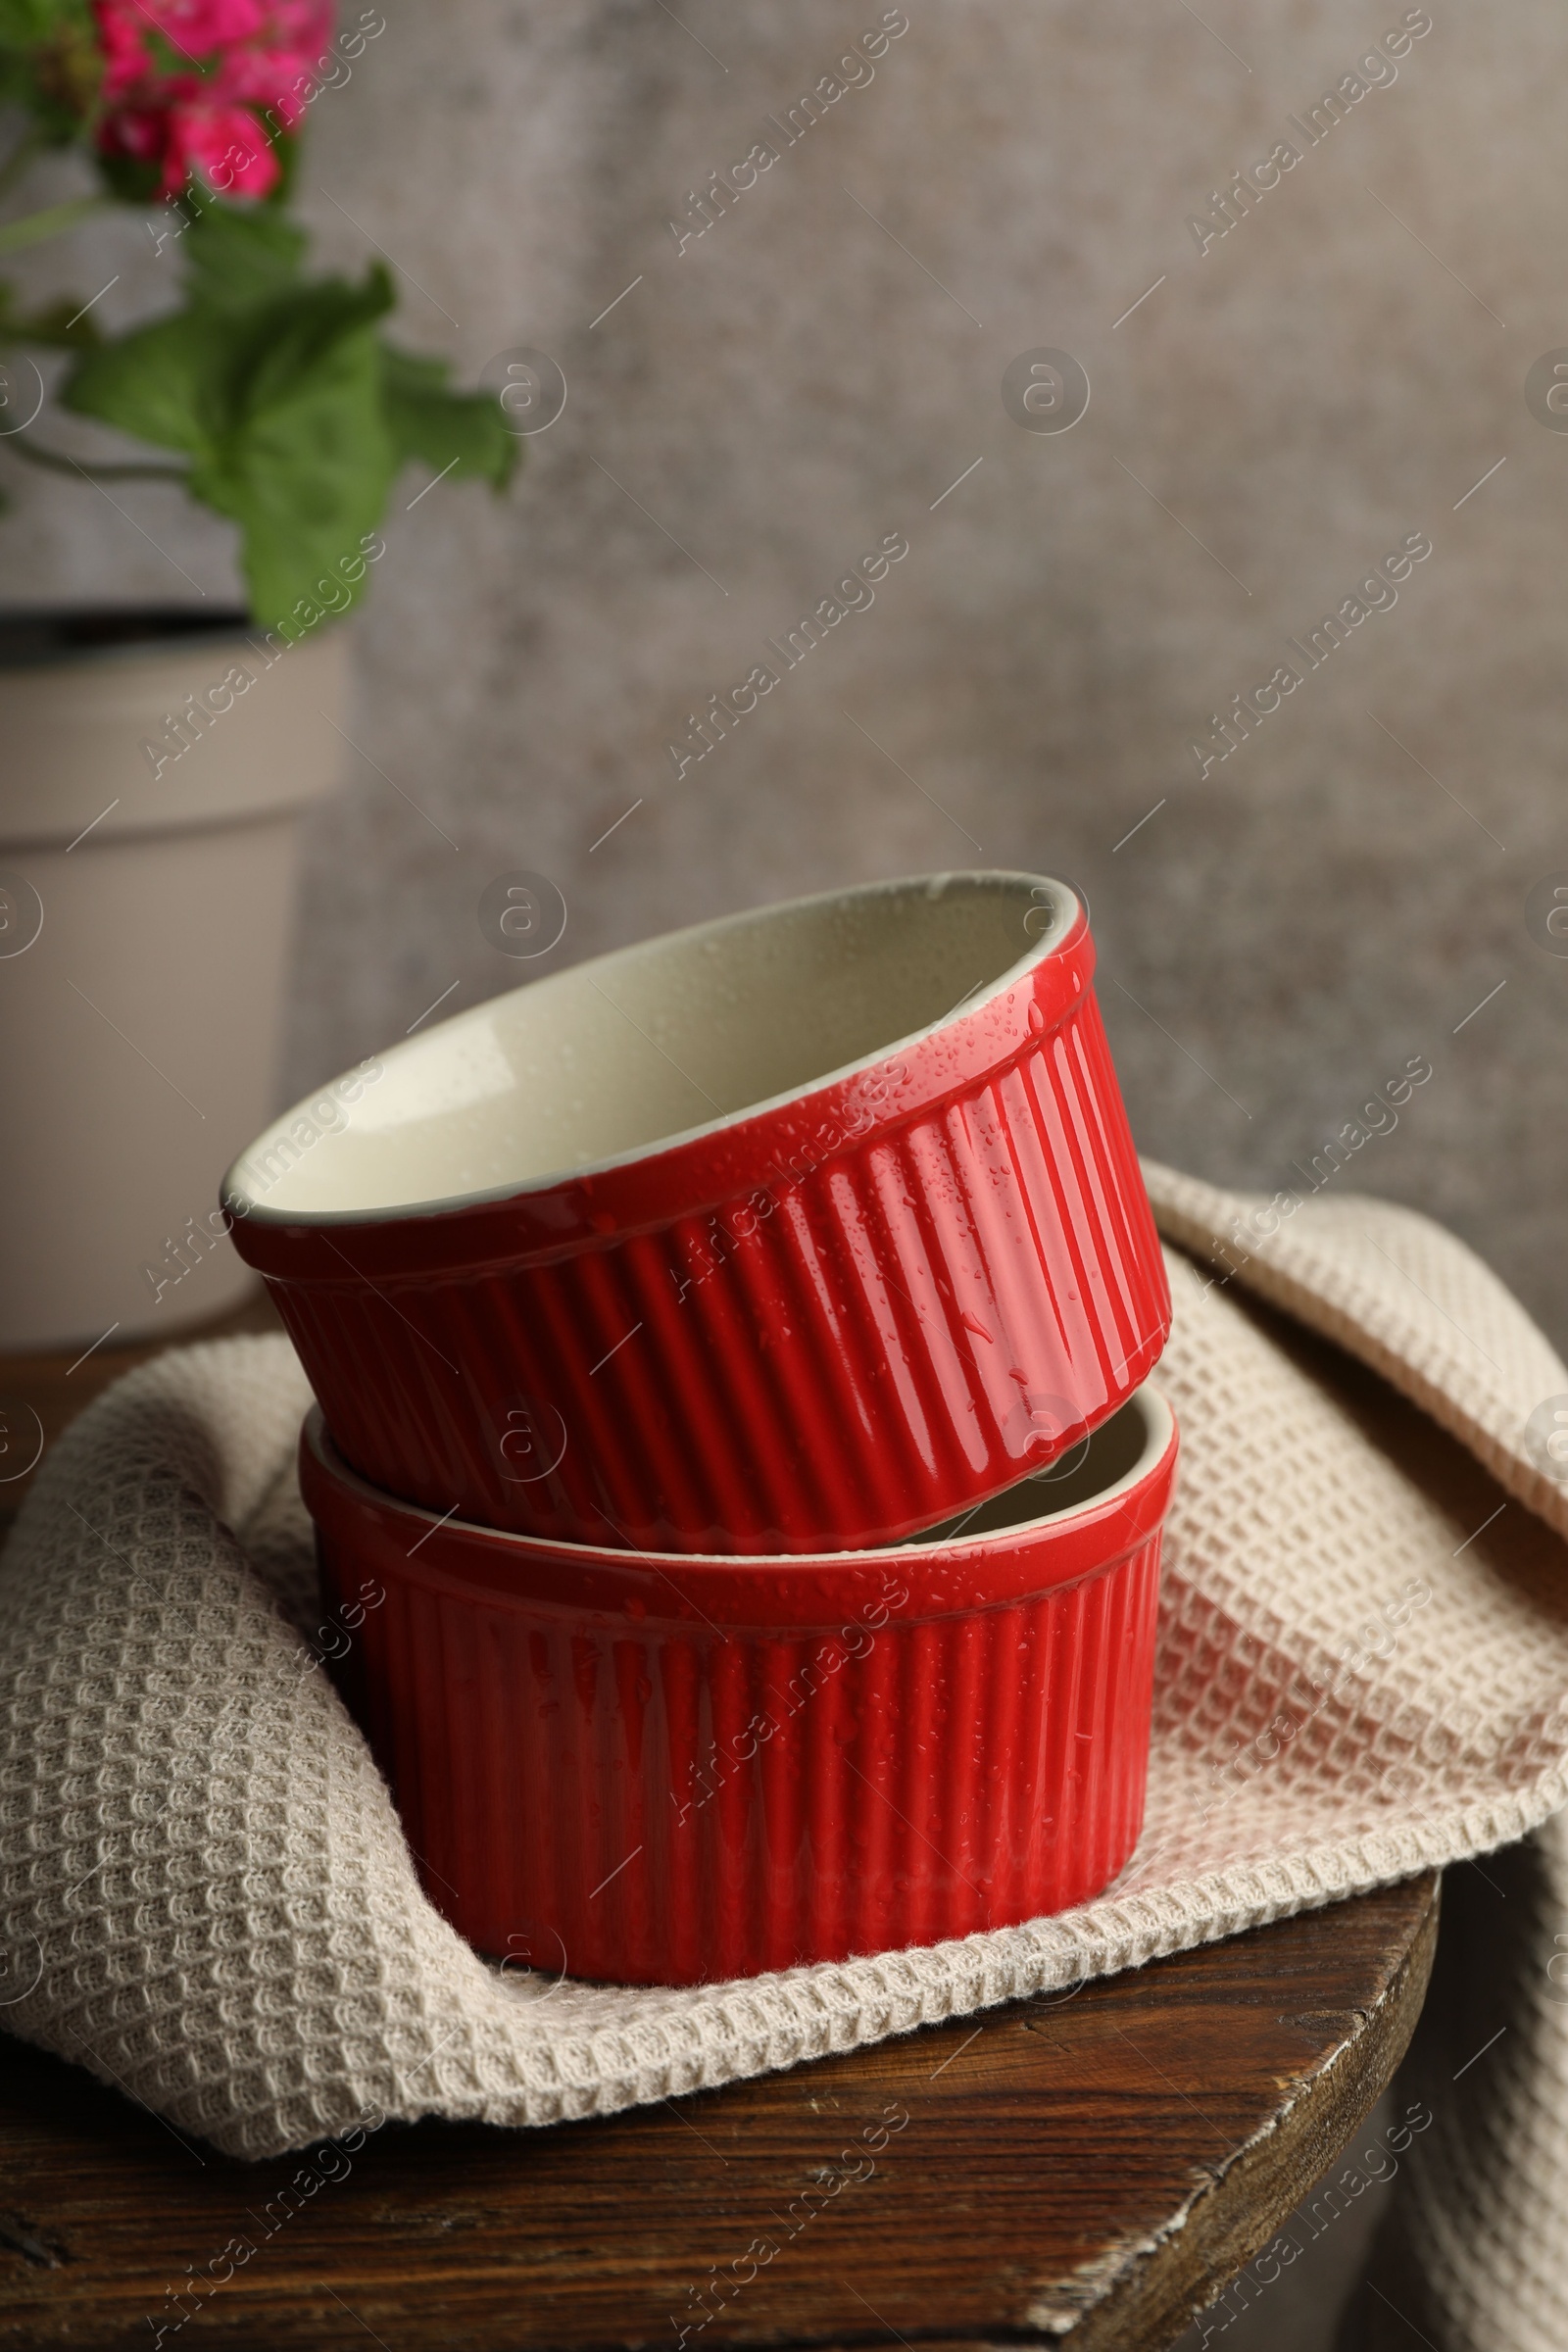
(1089, 2168)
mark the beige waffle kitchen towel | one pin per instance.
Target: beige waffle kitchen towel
(205, 1896)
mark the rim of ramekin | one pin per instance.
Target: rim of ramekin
(1073, 914)
(1160, 1439)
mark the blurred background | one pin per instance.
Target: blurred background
(766, 382)
(1272, 410)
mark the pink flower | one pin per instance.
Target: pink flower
(188, 84)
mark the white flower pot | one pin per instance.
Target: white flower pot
(148, 850)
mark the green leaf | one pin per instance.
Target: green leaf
(288, 336)
(238, 255)
(456, 432)
(295, 417)
(23, 23)
(163, 382)
(286, 148)
(61, 325)
(280, 406)
(193, 379)
(131, 178)
(306, 474)
(51, 64)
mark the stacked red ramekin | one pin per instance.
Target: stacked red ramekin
(660, 1312)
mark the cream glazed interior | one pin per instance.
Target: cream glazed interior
(607, 1060)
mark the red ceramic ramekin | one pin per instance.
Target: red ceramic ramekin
(851, 1234)
(662, 1771)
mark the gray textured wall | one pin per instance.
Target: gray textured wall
(1282, 935)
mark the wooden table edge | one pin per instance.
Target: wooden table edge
(1261, 2183)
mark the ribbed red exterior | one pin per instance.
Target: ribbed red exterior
(618, 1772)
(837, 1358)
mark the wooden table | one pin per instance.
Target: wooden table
(1088, 2169)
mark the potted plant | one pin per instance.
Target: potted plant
(159, 762)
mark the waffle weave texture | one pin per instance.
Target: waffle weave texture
(206, 1898)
